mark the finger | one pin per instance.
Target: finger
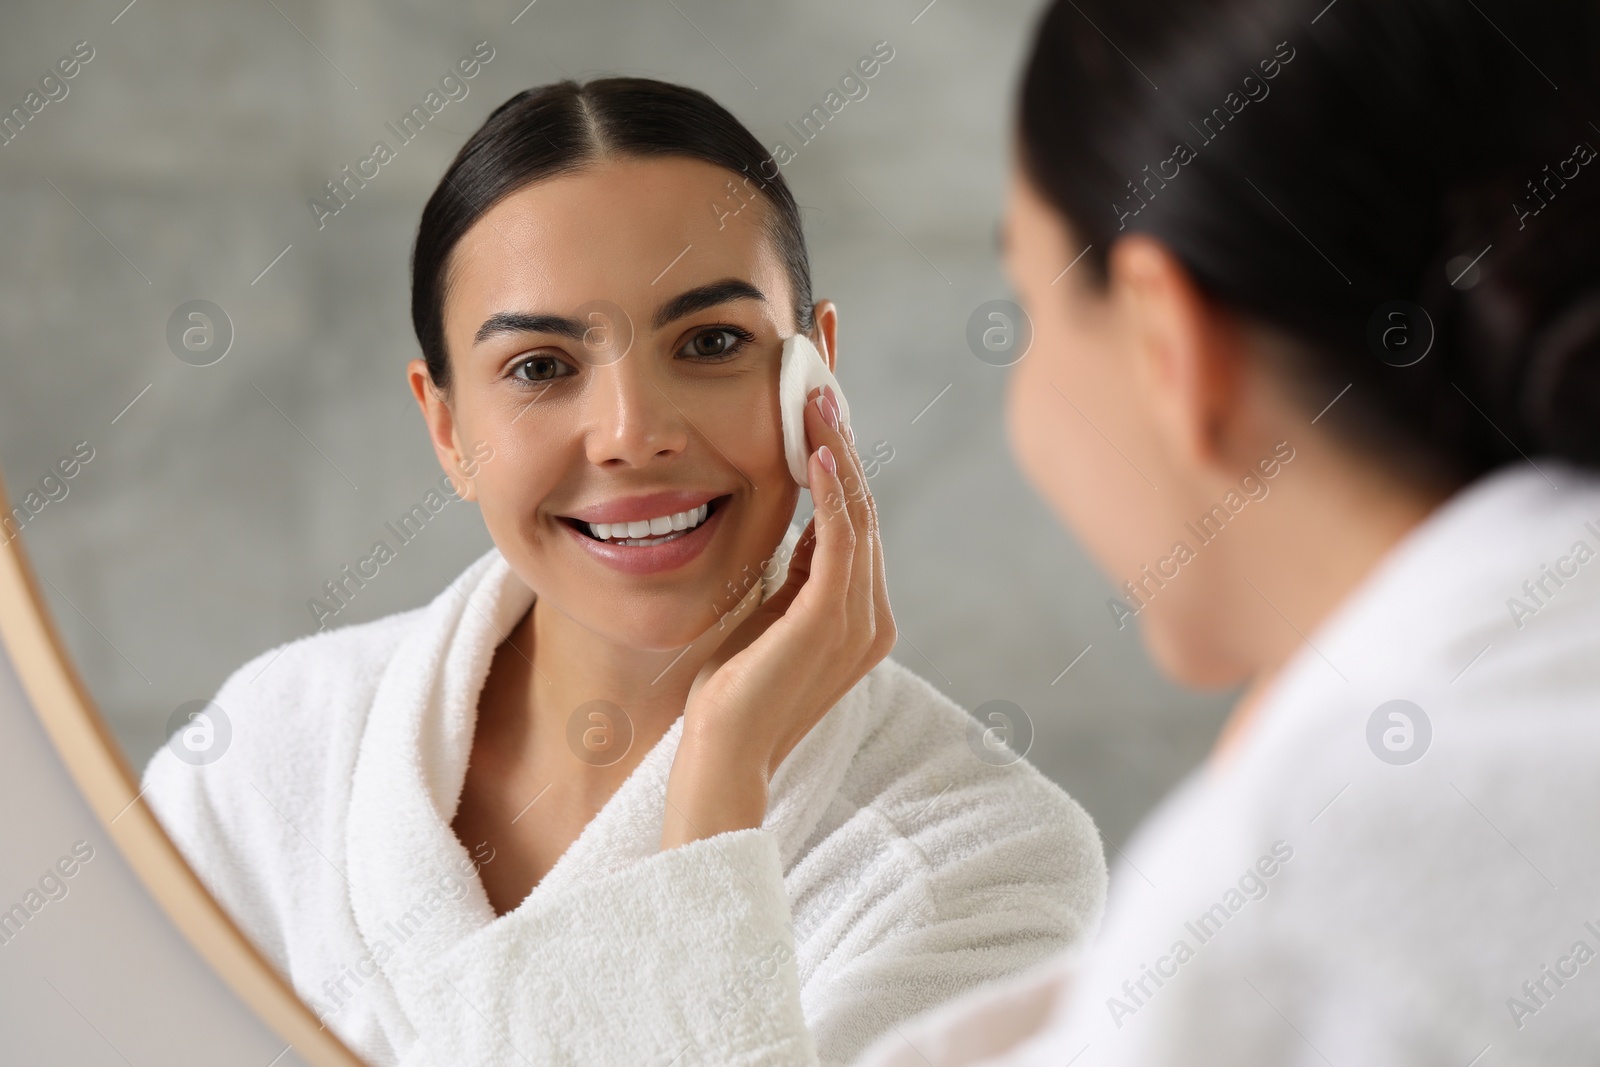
(879, 583)
(867, 566)
(832, 560)
(885, 631)
(852, 481)
(868, 574)
(856, 481)
(871, 584)
(851, 471)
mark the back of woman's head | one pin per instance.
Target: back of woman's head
(1326, 174)
(564, 126)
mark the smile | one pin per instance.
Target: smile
(650, 531)
(650, 546)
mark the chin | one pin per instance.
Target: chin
(658, 628)
(1183, 654)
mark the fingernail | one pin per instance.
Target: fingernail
(833, 398)
(826, 455)
(830, 410)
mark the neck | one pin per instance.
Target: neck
(1331, 525)
(572, 665)
(564, 669)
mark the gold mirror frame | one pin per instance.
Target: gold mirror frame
(111, 788)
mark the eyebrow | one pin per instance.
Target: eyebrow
(703, 297)
(697, 299)
(502, 322)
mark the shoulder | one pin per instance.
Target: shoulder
(299, 699)
(269, 766)
(1396, 852)
(985, 824)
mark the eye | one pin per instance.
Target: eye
(539, 368)
(716, 344)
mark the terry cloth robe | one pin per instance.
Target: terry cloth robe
(1352, 888)
(895, 868)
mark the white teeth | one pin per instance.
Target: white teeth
(657, 527)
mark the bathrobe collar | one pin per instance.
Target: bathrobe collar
(414, 890)
(1434, 609)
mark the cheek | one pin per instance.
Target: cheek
(1029, 429)
(748, 429)
(746, 425)
(1053, 443)
(740, 418)
(524, 469)
(1066, 405)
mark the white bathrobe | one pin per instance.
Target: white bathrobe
(1310, 902)
(895, 868)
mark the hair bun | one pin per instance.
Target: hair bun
(1520, 331)
(1560, 395)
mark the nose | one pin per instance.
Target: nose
(632, 420)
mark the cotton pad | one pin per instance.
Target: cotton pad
(799, 372)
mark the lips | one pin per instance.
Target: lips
(651, 553)
(645, 507)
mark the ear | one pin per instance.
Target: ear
(441, 427)
(825, 335)
(1187, 350)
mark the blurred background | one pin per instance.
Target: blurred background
(180, 165)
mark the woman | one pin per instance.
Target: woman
(446, 827)
(1316, 378)
(1338, 313)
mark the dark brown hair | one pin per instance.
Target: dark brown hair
(564, 126)
(1341, 163)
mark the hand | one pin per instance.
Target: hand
(791, 657)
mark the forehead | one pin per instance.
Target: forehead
(1029, 221)
(634, 232)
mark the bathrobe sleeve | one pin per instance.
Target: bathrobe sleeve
(995, 1025)
(223, 826)
(942, 868)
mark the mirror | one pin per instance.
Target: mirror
(205, 422)
(92, 970)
